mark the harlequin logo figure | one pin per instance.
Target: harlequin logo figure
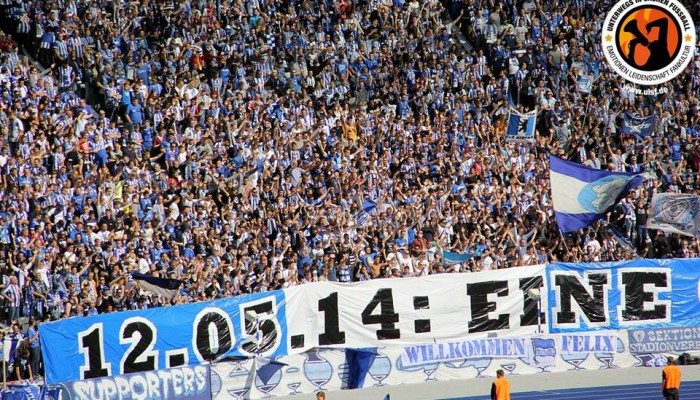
(647, 42)
(648, 38)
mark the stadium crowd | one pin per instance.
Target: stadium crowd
(234, 144)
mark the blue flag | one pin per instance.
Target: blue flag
(362, 216)
(622, 241)
(582, 195)
(521, 127)
(266, 368)
(451, 258)
(585, 84)
(638, 126)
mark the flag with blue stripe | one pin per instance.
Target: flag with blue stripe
(362, 217)
(582, 195)
(450, 258)
(585, 84)
(167, 288)
(622, 241)
(521, 127)
(638, 126)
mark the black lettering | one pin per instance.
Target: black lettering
(530, 306)
(635, 296)
(266, 327)
(387, 318)
(481, 307)
(593, 306)
(331, 325)
(91, 345)
(133, 360)
(202, 340)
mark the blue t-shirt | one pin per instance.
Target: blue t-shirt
(135, 112)
(31, 334)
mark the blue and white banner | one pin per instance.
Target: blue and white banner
(466, 349)
(664, 340)
(585, 84)
(580, 301)
(638, 126)
(583, 195)
(635, 294)
(182, 383)
(147, 340)
(586, 342)
(521, 127)
(542, 349)
(294, 320)
(675, 213)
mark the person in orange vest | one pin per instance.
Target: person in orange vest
(671, 380)
(500, 389)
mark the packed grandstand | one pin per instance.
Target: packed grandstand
(252, 145)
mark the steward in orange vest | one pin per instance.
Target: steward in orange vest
(671, 380)
(500, 389)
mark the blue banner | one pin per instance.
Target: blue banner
(190, 383)
(511, 347)
(146, 340)
(521, 127)
(21, 392)
(635, 294)
(664, 340)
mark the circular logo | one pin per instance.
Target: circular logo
(648, 42)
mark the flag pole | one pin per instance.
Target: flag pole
(4, 366)
(561, 234)
(585, 115)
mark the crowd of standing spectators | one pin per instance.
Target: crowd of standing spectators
(232, 144)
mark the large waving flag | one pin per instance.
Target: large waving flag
(167, 288)
(585, 84)
(583, 195)
(638, 126)
(675, 213)
(521, 127)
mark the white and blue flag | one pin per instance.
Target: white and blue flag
(362, 217)
(451, 258)
(583, 195)
(167, 288)
(521, 127)
(622, 240)
(585, 84)
(638, 126)
(675, 213)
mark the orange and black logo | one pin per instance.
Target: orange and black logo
(648, 42)
(648, 38)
